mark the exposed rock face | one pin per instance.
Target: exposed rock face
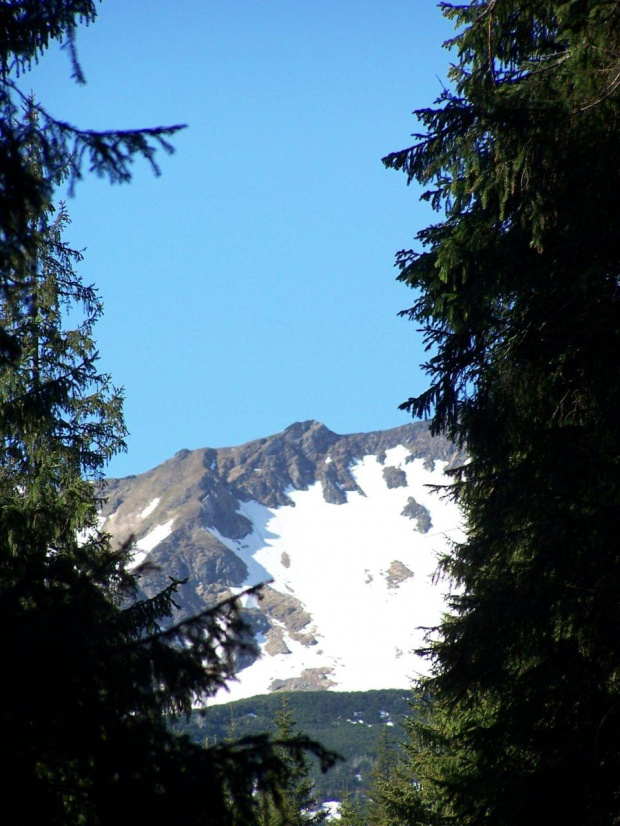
(311, 679)
(211, 516)
(288, 612)
(395, 477)
(397, 572)
(419, 514)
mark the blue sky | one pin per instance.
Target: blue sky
(252, 284)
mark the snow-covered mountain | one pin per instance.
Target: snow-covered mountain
(344, 528)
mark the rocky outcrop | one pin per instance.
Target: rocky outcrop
(191, 518)
(419, 514)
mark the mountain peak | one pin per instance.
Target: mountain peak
(299, 429)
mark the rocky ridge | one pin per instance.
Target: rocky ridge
(208, 516)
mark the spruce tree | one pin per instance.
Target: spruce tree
(91, 674)
(393, 794)
(351, 812)
(518, 294)
(294, 804)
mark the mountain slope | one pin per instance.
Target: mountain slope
(345, 528)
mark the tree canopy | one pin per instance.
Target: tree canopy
(295, 803)
(517, 292)
(92, 673)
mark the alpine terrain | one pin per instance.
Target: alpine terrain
(345, 531)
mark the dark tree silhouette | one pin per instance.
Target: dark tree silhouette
(518, 295)
(91, 676)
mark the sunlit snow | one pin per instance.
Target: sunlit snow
(86, 534)
(339, 558)
(150, 508)
(332, 807)
(145, 545)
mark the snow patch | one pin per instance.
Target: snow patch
(86, 534)
(145, 545)
(150, 508)
(332, 807)
(336, 555)
(396, 457)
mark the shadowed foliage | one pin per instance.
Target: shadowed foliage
(517, 293)
(90, 675)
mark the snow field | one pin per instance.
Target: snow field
(339, 557)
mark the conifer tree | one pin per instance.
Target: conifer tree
(91, 674)
(519, 297)
(351, 812)
(295, 803)
(393, 793)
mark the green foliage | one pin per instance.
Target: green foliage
(393, 794)
(518, 295)
(346, 722)
(352, 812)
(59, 417)
(295, 803)
(90, 674)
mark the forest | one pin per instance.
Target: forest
(353, 724)
(516, 289)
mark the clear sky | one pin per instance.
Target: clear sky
(252, 284)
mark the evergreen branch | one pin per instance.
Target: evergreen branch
(209, 617)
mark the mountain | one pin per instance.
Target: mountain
(345, 529)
